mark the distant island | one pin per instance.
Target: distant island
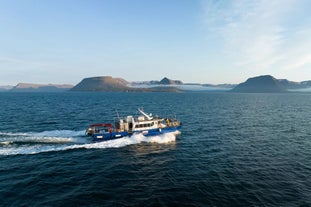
(259, 84)
(269, 84)
(110, 84)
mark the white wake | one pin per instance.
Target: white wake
(49, 141)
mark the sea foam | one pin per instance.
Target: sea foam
(49, 141)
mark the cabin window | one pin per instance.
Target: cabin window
(144, 125)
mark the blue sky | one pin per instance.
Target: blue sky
(204, 41)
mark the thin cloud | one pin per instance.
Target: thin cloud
(299, 51)
(259, 34)
(299, 62)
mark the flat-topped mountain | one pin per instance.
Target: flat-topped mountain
(260, 84)
(102, 83)
(30, 87)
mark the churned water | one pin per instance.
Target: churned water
(234, 150)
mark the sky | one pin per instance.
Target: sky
(196, 41)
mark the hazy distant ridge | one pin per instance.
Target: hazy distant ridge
(30, 87)
(5, 88)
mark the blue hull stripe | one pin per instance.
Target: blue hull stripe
(117, 135)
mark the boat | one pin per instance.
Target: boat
(144, 124)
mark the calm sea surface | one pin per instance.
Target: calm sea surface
(234, 150)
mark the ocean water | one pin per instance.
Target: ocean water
(234, 150)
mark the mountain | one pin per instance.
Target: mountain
(110, 84)
(104, 83)
(30, 87)
(261, 84)
(166, 81)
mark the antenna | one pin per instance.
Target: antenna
(118, 114)
(143, 113)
